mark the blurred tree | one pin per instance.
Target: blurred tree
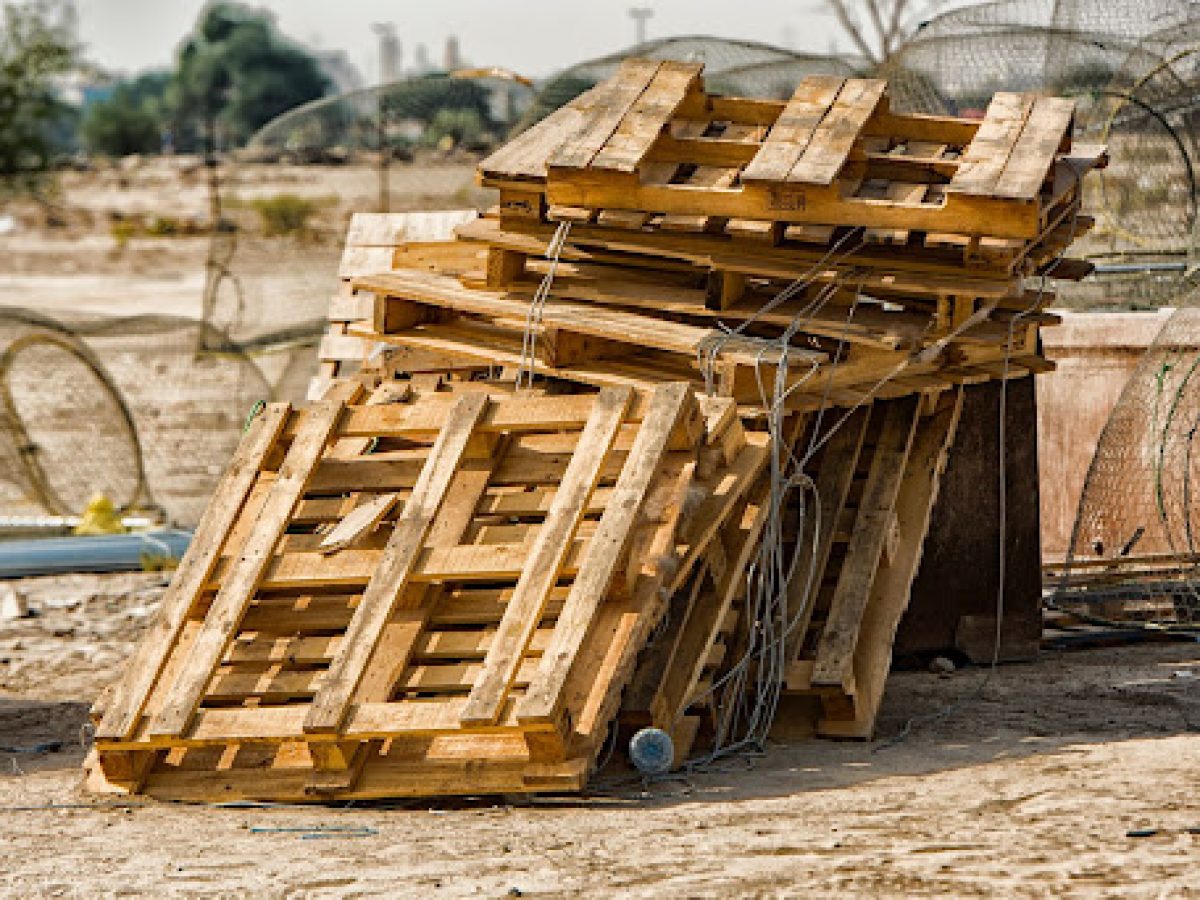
(422, 99)
(131, 120)
(36, 47)
(464, 127)
(879, 28)
(237, 72)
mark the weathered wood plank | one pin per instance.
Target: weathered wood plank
(608, 106)
(547, 556)
(893, 582)
(834, 478)
(835, 650)
(792, 131)
(669, 403)
(1034, 153)
(395, 567)
(834, 138)
(358, 522)
(648, 116)
(985, 157)
(244, 576)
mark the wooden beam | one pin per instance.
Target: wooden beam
(546, 558)
(125, 707)
(399, 558)
(239, 585)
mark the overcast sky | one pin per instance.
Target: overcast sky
(534, 37)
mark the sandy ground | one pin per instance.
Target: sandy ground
(77, 266)
(1029, 788)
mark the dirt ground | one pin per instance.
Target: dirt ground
(1028, 788)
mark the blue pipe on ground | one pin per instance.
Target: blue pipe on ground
(93, 553)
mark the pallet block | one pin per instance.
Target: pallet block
(438, 592)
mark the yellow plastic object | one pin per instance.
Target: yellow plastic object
(100, 517)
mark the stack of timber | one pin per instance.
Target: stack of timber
(911, 238)
(517, 523)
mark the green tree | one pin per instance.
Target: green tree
(236, 73)
(35, 48)
(464, 127)
(130, 120)
(422, 99)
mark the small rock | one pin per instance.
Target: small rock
(940, 665)
(12, 604)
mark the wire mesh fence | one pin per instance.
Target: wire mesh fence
(140, 409)
(1135, 546)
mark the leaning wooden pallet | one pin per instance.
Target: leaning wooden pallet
(439, 593)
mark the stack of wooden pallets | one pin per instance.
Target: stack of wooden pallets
(432, 581)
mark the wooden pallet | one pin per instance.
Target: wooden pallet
(605, 335)
(877, 480)
(649, 147)
(376, 242)
(422, 593)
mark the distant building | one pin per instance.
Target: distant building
(453, 57)
(390, 61)
(421, 63)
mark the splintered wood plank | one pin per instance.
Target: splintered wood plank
(644, 122)
(399, 558)
(985, 157)
(893, 583)
(1033, 155)
(794, 128)
(669, 403)
(608, 107)
(129, 699)
(834, 138)
(834, 478)
(242, 579)
(547, 557)
(835, 651)
(358, 522)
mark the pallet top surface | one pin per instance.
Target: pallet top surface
(834, 153)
